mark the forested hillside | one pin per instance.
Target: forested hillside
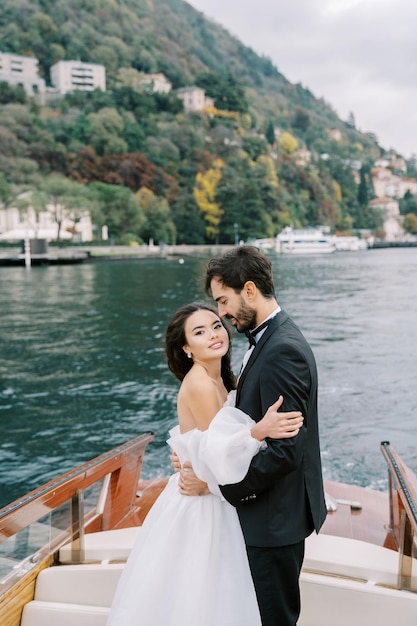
(142, 166)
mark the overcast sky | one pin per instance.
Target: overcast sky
(359, 55)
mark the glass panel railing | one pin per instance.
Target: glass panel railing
(97, 495)
(403, 516)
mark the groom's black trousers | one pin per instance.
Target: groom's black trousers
(275, 573)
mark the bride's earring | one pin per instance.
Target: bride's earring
(188, 355)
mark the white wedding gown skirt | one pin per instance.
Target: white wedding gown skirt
(188, 566)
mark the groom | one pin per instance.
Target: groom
(281, 499)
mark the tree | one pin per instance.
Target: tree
(158, 224)
(188, 219)
(225, 89)
(408, 204)
(205, 197)
(301, 119)
(106, 127)
(247, 192)
(270, 133)
(5, 191)
(65, 198)
(363, 189)
(12, 93)
(351, 121)
(410, 223)
(132, 170)
(288, 143)
(117, 208)
(255, 146)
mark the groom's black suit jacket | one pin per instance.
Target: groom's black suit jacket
(281, 499)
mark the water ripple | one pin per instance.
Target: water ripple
(83, 366)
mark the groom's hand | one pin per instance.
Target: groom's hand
(189, 484)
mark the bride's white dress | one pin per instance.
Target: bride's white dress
(188, 566)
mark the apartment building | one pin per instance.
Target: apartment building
(68, 76)
(24, 71)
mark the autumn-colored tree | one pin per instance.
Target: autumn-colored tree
(288, 143)
(205, 197)
(337, 191)
(133, 170)
(268, 168)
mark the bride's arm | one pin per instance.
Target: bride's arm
(229, 455)
(277, 425)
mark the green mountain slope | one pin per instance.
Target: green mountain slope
(260, 183)
(166, 36)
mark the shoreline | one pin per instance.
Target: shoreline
(65, 255)
(94, 254)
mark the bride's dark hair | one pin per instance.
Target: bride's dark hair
(175, 340)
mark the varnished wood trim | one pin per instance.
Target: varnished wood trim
(22, 592)
(124, 462)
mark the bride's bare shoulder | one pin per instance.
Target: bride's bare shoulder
(197, 381)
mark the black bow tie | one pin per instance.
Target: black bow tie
(250, 334)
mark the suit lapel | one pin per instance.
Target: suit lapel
(273, 326)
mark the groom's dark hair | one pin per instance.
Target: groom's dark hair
(239, 265)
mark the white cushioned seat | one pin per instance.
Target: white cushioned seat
(108, 545)
(38, 613)
(350, 557)
(331, 601)
(79, 584)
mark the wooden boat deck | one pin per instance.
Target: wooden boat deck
(370, 523)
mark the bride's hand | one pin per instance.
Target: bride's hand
(175, 461)
(278, 425)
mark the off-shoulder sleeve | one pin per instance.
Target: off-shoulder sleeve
(224, 451)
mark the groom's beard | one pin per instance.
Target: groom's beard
(245, 317)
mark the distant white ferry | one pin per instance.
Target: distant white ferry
(303, 241)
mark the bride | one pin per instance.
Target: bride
(188, 566)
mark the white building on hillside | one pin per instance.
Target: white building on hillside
(24, 71)
(68, 76)
(194, 99)
(386, 183)
(157, 83)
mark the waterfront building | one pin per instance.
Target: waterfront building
(17, 225)
(392, 220)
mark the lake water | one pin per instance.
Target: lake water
(82, 365)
